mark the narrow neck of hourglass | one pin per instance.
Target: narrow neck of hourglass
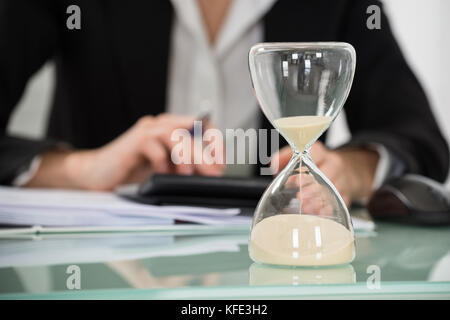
(304, 154)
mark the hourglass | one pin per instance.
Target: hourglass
(301, 220)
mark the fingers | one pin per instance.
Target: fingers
(318, 204)
(330, 168)
(212, 149)
(314, 197)
(157, 155)
(299, 180)
(318, 153)
(186, 155)
(280, 159)
(312, 190)
(139, 174)
(341, 184)
(175, 121)
(334, 168)
(179, 151)
(201, 158)
(316, 207)
(153, 134)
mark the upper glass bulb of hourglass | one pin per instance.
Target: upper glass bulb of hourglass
(301, 219)
(302, 85)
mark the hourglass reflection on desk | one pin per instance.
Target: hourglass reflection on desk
(301, 220)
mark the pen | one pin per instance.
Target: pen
(203, 118)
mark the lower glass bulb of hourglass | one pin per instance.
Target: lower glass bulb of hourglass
(301, 238)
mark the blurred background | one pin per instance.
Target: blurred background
(422, 30)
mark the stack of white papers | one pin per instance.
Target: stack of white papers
(64, 208)
(69, 208)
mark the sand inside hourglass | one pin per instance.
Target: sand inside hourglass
(302, 130)
(299, 239)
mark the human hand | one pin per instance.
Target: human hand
(350, 170)
(143, 149)
(314, 198)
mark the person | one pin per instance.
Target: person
(131, 63)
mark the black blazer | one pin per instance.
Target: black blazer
(114, 70)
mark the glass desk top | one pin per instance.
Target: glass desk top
(212, 263)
